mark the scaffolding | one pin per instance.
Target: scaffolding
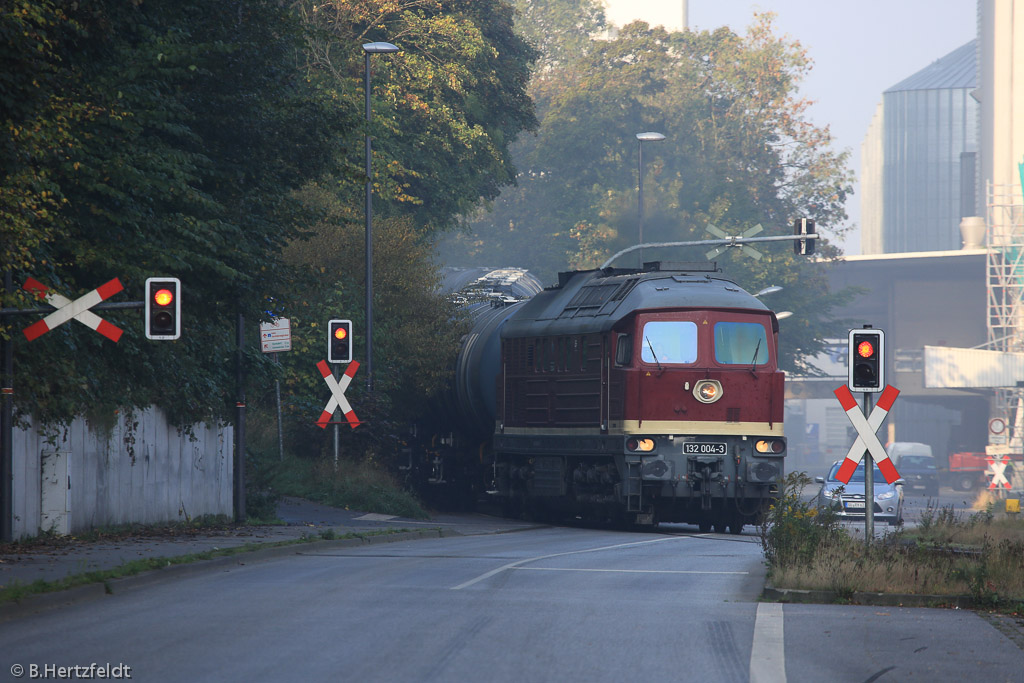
(1004, 236)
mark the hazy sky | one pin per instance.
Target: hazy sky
(859, 47)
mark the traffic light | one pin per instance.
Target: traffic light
(163, 308)
(867, 361)
(339, 341)
(803, 226)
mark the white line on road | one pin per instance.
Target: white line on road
(620, 571)
(514, 565)
(768, 654)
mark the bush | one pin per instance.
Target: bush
(354, 484)
(794, 531)
(261, 496)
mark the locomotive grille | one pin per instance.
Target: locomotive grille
(762, 472)
(548, 477)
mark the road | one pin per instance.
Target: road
(546, 604)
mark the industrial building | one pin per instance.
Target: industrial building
(943, 265)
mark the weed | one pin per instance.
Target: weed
(981, 557)
(794, 531)
(353, 485)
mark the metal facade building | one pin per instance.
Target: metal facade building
(930, 132)
(918, 299)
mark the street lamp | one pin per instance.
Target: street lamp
(769, 290)
(643, 137)
(370, 49)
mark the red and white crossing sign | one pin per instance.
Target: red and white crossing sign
(997, 470)
(77, 309)
(866, 438)
(338, 388)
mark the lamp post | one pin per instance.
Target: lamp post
(370, 49)
(769, 290)
(642, 138)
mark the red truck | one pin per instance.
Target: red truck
(967, 470)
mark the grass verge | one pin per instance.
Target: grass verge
(949, 554)
(353, 485)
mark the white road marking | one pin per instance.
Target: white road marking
(518, 563)
(768, 654)
(620, 571)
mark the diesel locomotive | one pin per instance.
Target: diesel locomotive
(637, 396)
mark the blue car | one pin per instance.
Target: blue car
(847, 500)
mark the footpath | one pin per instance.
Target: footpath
(62, 557)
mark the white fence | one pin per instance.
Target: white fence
(137, 470)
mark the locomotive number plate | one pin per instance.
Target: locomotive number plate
(694, 448)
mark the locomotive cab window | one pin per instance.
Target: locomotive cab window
(623, 350)
(667, 342)
(741, 343)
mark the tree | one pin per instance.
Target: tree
(562, 30)
(191, 129)
(738, 152)
(36, 122)
(416, 328)
(446, 107)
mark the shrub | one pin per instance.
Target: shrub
(794, 531)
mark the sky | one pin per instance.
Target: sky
(859, 48)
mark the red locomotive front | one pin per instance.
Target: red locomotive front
(651, 396)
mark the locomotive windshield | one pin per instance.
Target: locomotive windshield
(741, 344)
(669, 341)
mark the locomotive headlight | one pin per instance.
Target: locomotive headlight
(774, 446)
(639, 444)
(707, 390)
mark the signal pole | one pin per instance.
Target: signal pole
(869, 482)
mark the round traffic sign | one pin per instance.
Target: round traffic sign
(997, 425)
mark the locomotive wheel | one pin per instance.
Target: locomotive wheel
(719, 526)
(735, 527)
(704, 526)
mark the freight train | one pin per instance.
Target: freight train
(635, 396)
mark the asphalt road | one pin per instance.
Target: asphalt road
(545, 604)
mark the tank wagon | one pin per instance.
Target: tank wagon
(637, 396)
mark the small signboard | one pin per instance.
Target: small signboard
(276, 336)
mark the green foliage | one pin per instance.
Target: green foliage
(794, 531)
(262, 468)
(445, 108)
(189, 128)
(738, 152)
(357, 485)
(415, 335)
(561, 29)
(944, 555)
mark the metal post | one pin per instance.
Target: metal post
(869, 481)
(6, 433)
(336, 371)
(280, 428)
(240, 423)
(370, 49)
(369, 236)
(640, 203)
(641, 139)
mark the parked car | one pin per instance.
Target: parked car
(847, 500)
(916, 465)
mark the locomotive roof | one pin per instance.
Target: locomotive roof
(595, 300)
